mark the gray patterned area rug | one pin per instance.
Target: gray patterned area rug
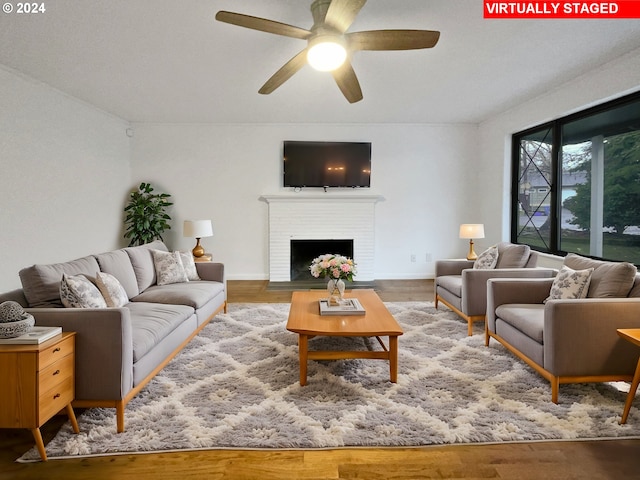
(236, 386)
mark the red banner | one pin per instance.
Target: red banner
(562, 9)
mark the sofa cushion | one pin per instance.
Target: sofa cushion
(527, 318)
(635, 290)
(487, 259)
(511, 255)
(169, 268)
(118, 264)
(193, 294)
(142, 263)
(570, 284)
(77, 291)
(451, 283)
(41, 283)
(113, 292)
(152, 322)
(609, 279)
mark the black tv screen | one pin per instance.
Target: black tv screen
(327, 164)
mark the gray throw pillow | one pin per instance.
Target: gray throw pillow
(570, 284)
(487, 260)
(169, 268)
(77, 291)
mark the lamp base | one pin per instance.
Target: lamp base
(198, 250)
(472, 254)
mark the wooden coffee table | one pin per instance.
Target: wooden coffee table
(306, 321)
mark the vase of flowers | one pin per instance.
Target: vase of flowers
(337, 268)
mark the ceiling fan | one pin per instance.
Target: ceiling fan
(332, 18)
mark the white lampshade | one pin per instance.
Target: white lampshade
(326, 53)
(472, 230)
(198, 228)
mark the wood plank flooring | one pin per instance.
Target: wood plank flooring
(599, 460)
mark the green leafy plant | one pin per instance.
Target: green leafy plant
(147, 216)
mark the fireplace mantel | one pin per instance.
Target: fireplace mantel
(315, 197)
(316, 217)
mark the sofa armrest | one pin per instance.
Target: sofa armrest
(211, 271)
(501, 291)
(580, 336)
(474, 285)
(104, 348)
(452, 267)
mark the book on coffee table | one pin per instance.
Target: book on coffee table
(34, 336)
(349, 306)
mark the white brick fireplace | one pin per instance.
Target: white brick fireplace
(321, 217)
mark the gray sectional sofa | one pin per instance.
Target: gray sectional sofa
(569, 340)
(119, 350)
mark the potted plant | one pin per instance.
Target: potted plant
(147, 216)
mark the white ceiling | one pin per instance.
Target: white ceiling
(169, 61)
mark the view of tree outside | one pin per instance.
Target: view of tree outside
(594, 205)
(619, 225)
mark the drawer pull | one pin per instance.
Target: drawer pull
(57, 395)
(57, 349)
(56, 372)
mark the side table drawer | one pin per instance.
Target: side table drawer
(55, 399)
(56, 352)
(56, 373)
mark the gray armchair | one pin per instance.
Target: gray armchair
(569, 340)
(464, 289)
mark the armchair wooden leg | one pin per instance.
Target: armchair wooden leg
(555, 387)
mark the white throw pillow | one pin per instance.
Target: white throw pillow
(77, 291)
(570, 284)
(189, 265)
(169, 268)
(487, 260)
(112, 290)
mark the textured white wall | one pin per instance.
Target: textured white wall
(220, 171)
(64, 170)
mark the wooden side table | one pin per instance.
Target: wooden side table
(204, 258)
(38, 381)
(631, 335)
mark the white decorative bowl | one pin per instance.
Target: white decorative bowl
(15, 329)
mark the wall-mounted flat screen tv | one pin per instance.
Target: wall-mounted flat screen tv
(327, 164)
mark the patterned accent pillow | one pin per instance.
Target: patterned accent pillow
(189, 265)
(487, 260)
(112, 290)
(169, 268)
(570, 284)
(77, 291)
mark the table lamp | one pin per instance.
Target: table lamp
(198, 229)
(471, 231)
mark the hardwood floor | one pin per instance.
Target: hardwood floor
(606, 459)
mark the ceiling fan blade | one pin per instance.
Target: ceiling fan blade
(285, 73)
(392, 39)
(342, 13)
(262, 24)
(348, 83)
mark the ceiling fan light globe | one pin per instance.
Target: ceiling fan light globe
(326, 56)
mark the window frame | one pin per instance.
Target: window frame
(555, 127)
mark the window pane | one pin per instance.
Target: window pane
(534, 188)
(600, 184)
